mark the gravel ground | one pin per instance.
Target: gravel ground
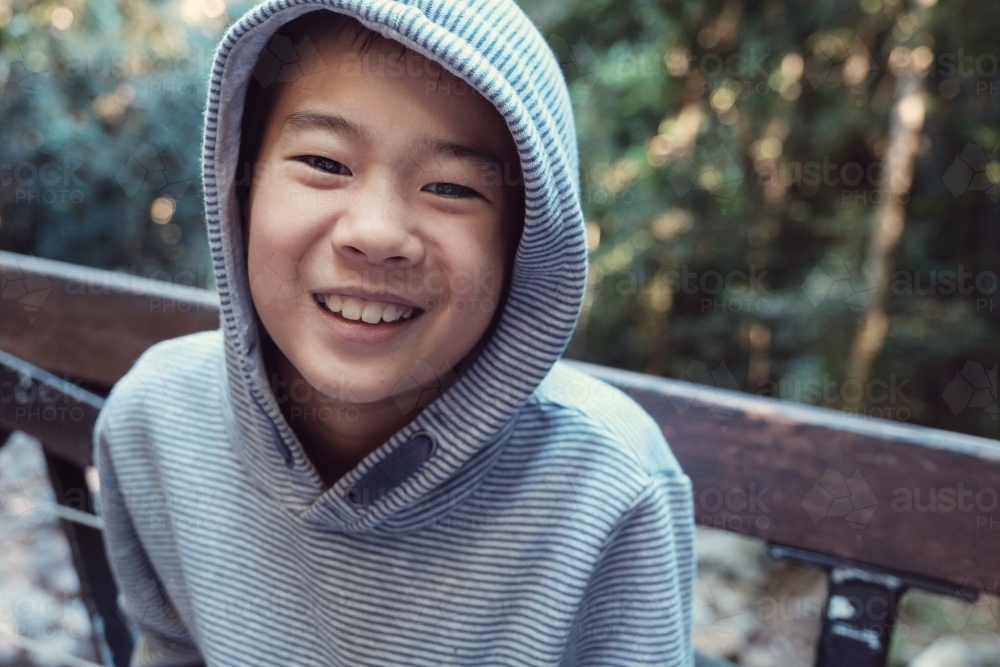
(39, 588)
(748, 608)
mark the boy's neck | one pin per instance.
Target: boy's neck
(336, 436)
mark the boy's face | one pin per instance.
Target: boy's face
(379, 193)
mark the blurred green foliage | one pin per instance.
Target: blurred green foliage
(731, 155)
(102, 106)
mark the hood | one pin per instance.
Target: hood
(438, 458)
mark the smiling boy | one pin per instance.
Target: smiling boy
(378, 458)
(392, 270)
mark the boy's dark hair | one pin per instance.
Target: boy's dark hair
(288, 46)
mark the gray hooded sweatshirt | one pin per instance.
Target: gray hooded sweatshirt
(530, 515)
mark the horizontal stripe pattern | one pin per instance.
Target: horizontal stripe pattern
(550, 526)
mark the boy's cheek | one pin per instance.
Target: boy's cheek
(271, 172)
(274, 278)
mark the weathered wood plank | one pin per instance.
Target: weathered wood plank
(880, 492)
(60, 414)
(874, 491)
(88, 323)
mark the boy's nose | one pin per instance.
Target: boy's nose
(375, 229)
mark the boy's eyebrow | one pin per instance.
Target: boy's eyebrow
(462, 152)
(308, 120)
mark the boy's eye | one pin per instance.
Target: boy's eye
(450, 190)
(325, 164)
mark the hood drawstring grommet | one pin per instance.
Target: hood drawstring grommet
(393, 470)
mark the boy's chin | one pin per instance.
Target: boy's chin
(361, 389)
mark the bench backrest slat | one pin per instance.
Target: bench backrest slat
(893, 495)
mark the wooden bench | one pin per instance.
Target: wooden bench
(820, 487)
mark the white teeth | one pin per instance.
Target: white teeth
(390, 313)
(334, 303)
(372, 313)
(351, 309)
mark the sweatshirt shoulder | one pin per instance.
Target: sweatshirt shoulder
(582, 401)
(170, 371)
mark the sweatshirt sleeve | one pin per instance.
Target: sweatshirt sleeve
(637, 606)
(160, 635)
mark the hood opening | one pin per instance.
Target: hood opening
(311, 32)
(491, 46)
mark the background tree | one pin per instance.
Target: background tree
(750, 225)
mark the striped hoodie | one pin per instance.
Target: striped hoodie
(530, 515)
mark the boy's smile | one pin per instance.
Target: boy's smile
(376, 236)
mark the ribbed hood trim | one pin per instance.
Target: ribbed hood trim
(470, 422)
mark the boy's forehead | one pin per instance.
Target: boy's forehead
(384, 72)
(370, 56)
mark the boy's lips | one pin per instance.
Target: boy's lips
(355, 330)
(366, 295)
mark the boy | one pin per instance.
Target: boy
(378, 458)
